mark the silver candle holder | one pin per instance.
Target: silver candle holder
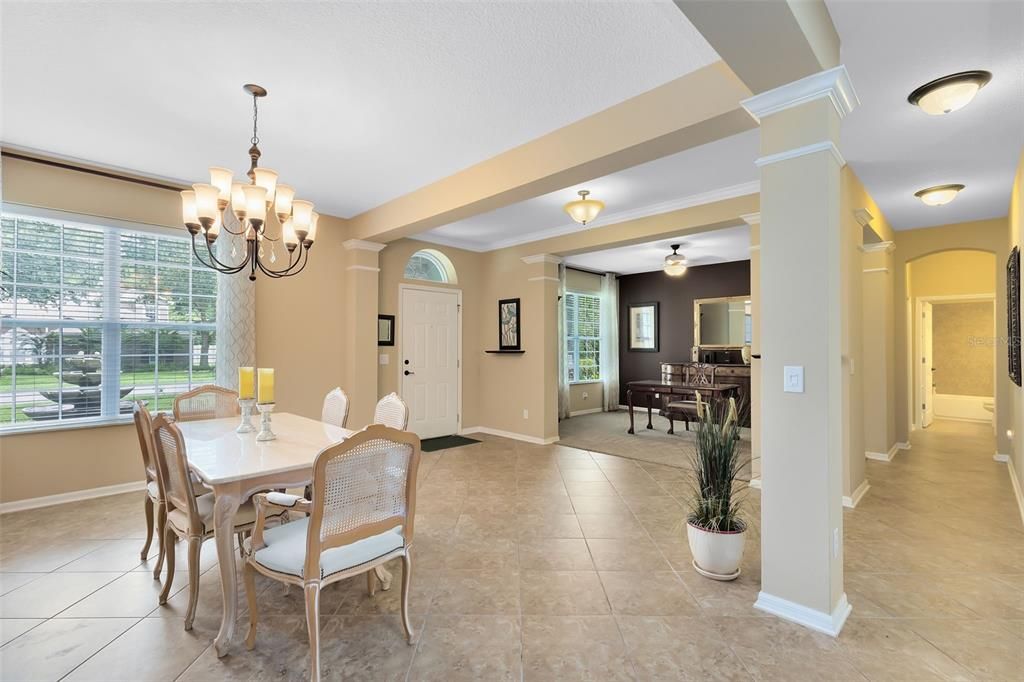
(245, 425)
(265, 433)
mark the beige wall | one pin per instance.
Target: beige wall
(1016, 421)
(963, 356)
(586, 397)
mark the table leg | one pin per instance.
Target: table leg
(629, 401)
(650, 405)
(224, 508)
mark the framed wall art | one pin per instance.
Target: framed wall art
(643, 327)
(509, 329)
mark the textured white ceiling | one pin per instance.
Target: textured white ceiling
(718, 246)
(368, 101)
(890, 48)
(707, 173)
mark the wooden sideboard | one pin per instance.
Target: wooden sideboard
(733, 374)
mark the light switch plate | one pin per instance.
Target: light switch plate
(793, 379)
(385, 358)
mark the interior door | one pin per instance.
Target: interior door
(927, 372)
(430, 360)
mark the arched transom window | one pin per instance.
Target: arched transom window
(430, 265)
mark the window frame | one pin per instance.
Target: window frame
(574, 354)
(442, 269)
(109, 321)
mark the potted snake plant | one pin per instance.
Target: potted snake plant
(715, 527)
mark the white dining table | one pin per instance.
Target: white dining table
(235, 465)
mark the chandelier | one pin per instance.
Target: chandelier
(204, 210)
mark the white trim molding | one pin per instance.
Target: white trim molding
(755, 247)
(542, 258)
(368, 268)
(752, 218)
(1000, 457)
(545, 278)
(903, 445)
(1016, 488)
(362, 245)
(74, 496)
(885, 247)
(832, 84)
(508, 434)
(829, 623)
(863, 216)
(853, 500)
(755, 483)
(580, 413)
(884, 456)
(867, 270)
(825, 146)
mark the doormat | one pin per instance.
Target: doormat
(445, 442)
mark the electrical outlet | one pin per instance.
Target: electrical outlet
(585, 395)
(526, 414)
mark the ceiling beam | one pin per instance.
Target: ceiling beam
(700, 107)
(767, 43)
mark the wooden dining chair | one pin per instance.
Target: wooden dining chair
(154, 501)
(392, 411)
(335, 409)
(189, 517)
(206, 402)
(696, 374)
(361, 516)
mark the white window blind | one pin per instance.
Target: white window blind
(582, 337)
(94, 317)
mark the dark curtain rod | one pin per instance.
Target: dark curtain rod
(91, 171)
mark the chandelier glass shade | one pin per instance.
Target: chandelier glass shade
(248, 209)
(675, 263)
(584, 210)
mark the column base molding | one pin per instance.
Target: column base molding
(853, 500)
(884, 456)
(1017, 492)
(755, 483)
(828, 623)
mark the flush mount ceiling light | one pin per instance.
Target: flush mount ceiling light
(949, 93)
(584, 210)
(938, 195)
(675, 263)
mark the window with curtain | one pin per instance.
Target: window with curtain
(94, 317)
(583, 337)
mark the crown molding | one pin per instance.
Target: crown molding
(362, 245)
(863, 216)
(833, 84)
(544, 279)
(542, 258)
(606, 219)
(826, 146)
(879, 247)
(367, 268)
(751, 218)
(867, 270)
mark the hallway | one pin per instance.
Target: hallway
(938, 544)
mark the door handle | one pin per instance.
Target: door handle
(407, 372)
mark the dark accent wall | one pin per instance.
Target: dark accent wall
(675, 296)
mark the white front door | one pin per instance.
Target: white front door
(927, 391)
(429, 357)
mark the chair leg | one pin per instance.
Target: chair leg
(671, 425)
(241, 545)
(195, 545)
(406, 582)
(161, 532)
(148, 506)
(312, 591)
(170, 566)
(371, 583)
(249, 577)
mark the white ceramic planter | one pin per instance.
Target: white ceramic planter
(716, 555)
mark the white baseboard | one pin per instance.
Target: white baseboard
(755, 483)
(884, 456)
(903, 446)
(74, 496)
(999, 457)
(828, 623)
(970, 408)
(1017, 492)
(579, 413)
(508, 434)
(853, 500)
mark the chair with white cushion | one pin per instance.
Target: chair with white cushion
(189, 517)
(392, 412)
(206, 402)
(360, 517)
(335, 410)
(154, 502)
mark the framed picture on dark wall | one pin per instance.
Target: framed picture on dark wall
(1013, 349)
(643, 327)
(509, 333)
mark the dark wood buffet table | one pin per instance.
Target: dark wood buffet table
(653, 387)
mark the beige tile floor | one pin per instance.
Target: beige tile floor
(545, 563)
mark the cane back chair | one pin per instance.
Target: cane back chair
(206, 402)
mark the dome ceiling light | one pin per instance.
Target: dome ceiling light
(938, 195)
(675, 263)
(584, 210)
(949, 93)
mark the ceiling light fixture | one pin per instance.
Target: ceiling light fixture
(205, 212)
(949, 93)
(584, 210)
(938, 195)
(675, 263)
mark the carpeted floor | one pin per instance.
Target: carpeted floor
(606, 432)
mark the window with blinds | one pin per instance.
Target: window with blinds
(582, 337)
(93, 318)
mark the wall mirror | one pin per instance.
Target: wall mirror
(721, 322)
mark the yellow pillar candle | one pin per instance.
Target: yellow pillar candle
(246, 383)
(266, 385)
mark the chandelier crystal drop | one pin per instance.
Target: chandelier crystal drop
(253, 206)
